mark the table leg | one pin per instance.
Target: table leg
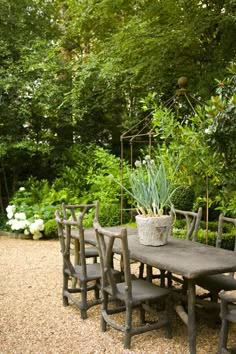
(191, 316)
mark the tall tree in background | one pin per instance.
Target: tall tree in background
(28, 34)
(122, 50)
(75, 71)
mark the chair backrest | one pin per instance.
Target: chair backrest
(71, 234)
(74, 214)
(192, 222)
(105, 241)
(221, 221)
(77, 212)
(64, 234)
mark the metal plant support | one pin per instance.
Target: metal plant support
(134, 133)
(132, 137)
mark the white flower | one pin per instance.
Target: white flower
(37, 235)
(36, 226)
(144, 162)
(22, 189)
(17, 224)
(26, 232)
(20, 216)
(10, 215)
(207, 131)
(40, 224)
(137, 163)
(147, 158)
(14, 224)
(10, 209)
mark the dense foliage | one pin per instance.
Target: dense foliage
(86, 179)
(73, 74)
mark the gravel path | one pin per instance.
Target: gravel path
(33, 320)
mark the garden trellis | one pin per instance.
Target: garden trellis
(143, 133)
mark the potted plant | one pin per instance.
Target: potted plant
(152, 191)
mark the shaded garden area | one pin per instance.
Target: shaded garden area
(76, 75)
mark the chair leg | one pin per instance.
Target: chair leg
(169, 280)
(223, 337)
(127, 340)
(214, 296)
(162, 278)
(128, 324)
(149, 273)
(141, 315)
(96, 290)
(185, 286)
(83, 309)
(169, 311)
(65, 288)
(104, 308)
(141, 270)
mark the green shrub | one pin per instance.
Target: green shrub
(50, 229)
(228, 239)
(179, 232)
(212, 225)
(109, 215)
(3, 221)
(180, 223)
(183, 198)
(201, 237)
(31, 207)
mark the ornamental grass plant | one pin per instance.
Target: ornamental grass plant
(151, 189)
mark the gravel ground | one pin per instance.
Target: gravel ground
(33, 320)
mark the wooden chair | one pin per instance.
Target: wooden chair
(77, 212)
(227, 314)
(216, 283)
(87, 276)
(193, 220)
(130, 293)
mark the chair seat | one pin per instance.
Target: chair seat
(93, 272)
(141, 290)
(217, 282)
(91, 252)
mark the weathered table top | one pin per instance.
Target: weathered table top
(187, 258)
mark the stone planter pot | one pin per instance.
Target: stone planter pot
(154, 231)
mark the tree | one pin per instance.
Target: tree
(122, 50)
(221, 110)
(27, 30)
(75, 71)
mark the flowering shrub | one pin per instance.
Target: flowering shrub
(18, 222)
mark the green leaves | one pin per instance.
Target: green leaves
(151, 189)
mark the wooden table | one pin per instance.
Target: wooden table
(187, 258)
